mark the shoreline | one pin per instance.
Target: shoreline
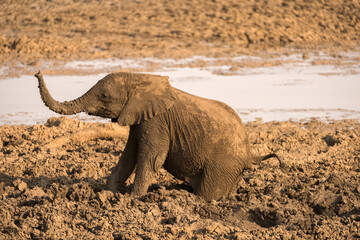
(250, 59)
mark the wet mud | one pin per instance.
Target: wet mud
(52, 175)
(52, 186)
(34, 32)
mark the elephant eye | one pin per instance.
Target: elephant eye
(105, 95)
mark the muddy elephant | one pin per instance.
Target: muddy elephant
(200, 141)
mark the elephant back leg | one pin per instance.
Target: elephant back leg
(216, 182)
(126, 165)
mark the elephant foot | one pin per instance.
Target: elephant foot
(115, 186)
(139, 191)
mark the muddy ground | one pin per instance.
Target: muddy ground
(52, 175)
(34, 32)
(52, 186)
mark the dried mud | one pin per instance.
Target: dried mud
(52, 186)
(52, 176)
(64, 30)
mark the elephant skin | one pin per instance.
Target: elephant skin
(200, 141)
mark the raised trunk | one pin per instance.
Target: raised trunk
(65, 108)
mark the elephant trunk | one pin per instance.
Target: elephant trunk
(65, 108)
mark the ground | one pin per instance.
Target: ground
(33, 32)
(52, 185)
(52, 176)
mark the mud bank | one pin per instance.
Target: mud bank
(52, 186)
(34, 31)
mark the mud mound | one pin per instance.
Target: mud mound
(57, 190)
(64, 30)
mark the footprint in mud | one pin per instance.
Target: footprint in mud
(265, 218)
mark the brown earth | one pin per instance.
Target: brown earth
(32, 32)
(52, 186)
(52, 176)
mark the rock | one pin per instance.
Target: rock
(20, 185)
(234, 69)
(305, 56)
(104, 195)
(325, 201)
(34, 192)
(336, 179)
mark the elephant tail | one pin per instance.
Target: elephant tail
(259, 159)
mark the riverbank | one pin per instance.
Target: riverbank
(35, 32)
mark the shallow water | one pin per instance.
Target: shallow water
(289, 91)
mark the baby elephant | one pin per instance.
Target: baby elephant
(200, 141)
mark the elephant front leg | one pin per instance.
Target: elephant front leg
(126, 165)
(150, 159)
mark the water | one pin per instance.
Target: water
(288, 91)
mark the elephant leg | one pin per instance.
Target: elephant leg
(126, 165)
(215, 183)
(153, 150)
(145, 172)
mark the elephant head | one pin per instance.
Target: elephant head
(128, 98)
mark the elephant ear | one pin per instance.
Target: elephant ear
(148, 96)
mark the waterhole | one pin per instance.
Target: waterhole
(300, 90)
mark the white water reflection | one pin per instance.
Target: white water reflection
(289, 91)
(285, 90)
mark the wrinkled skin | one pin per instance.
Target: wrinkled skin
(200, 141)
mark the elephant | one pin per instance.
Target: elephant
(200, 141)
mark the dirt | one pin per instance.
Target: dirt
(52, 180)
(52, 176)
(34, 32)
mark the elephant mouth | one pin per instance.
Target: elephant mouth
(103, 112)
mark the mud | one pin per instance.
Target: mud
(64, 30)
(52, 175)
(52, 186)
